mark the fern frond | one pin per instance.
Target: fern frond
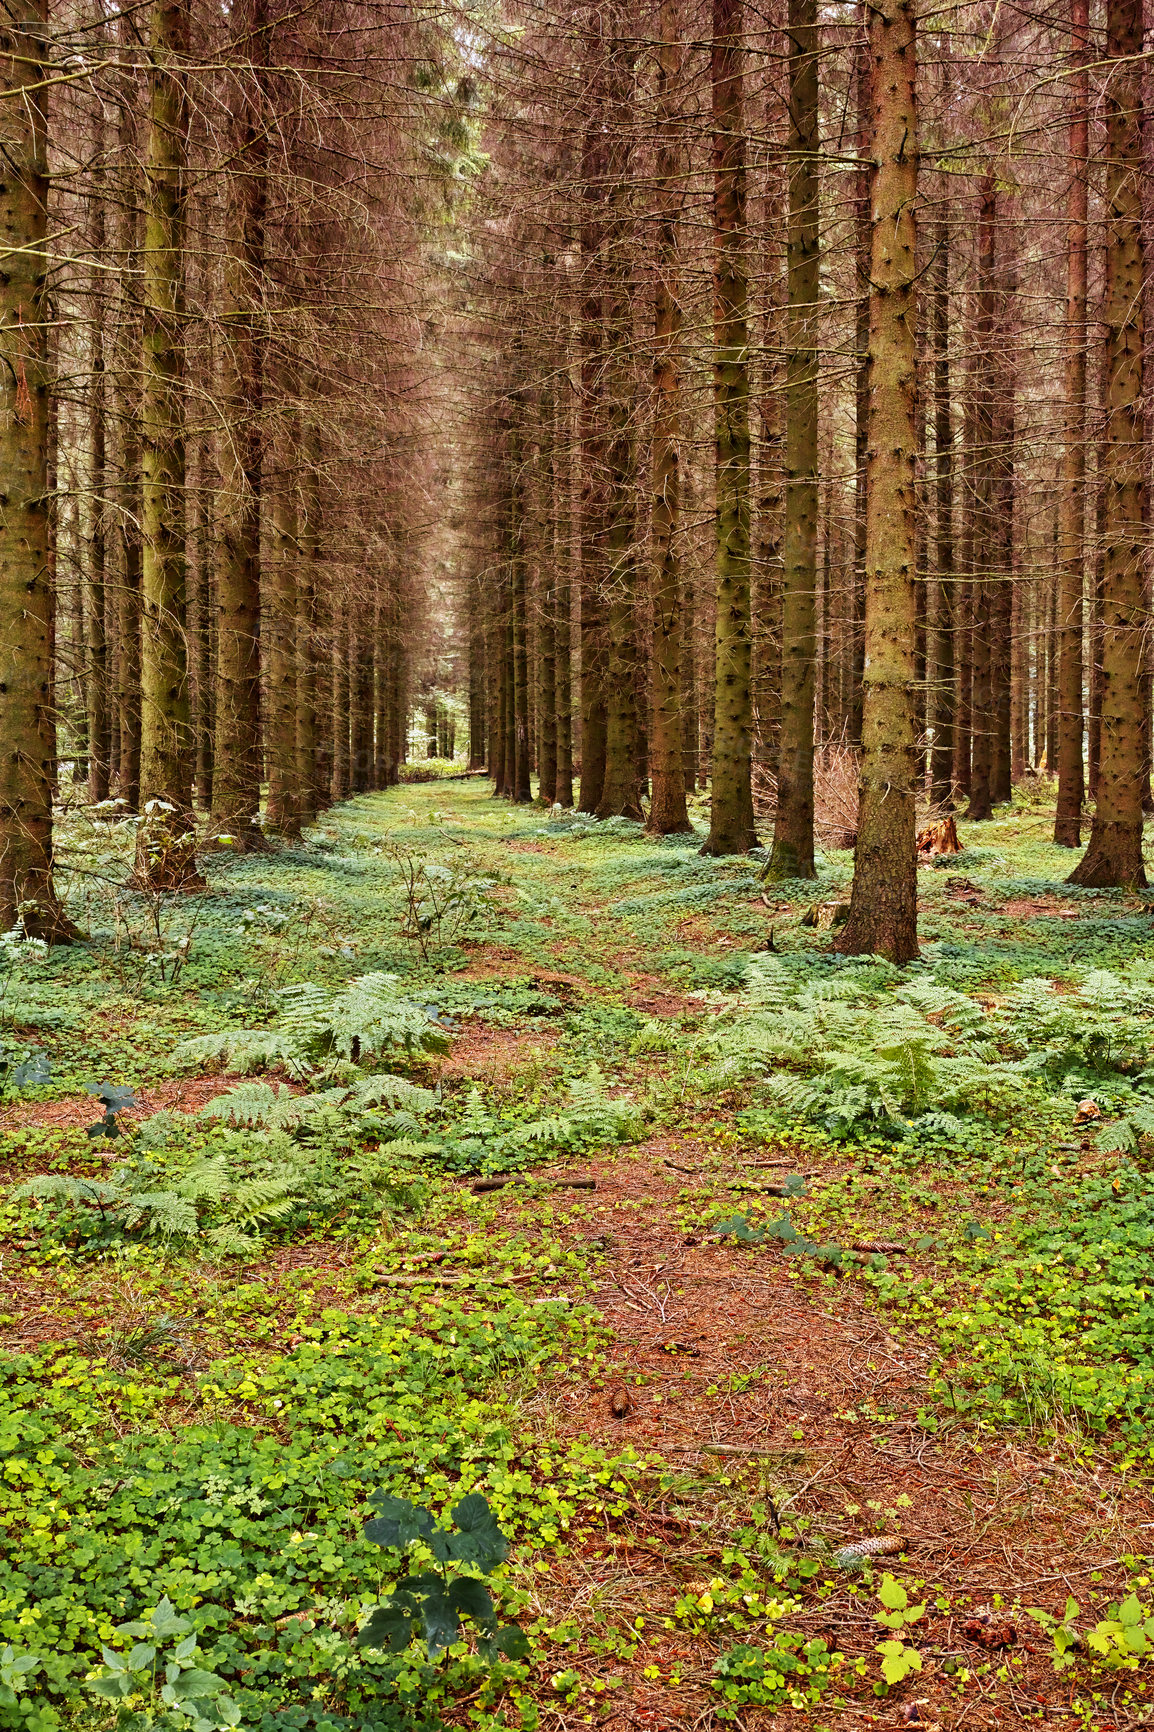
(371, 1091)
(261, 1106)
(240, 1049)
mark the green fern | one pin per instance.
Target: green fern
(315, 1027)
(241, 1050)
(268, 1107)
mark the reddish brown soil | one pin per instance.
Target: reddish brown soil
(798, 1390)
(183, 1095)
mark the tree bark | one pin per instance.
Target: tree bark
(1003, 457)
(563, 623)
(792, 852)
(281, 625)
(982, 691)
(1072, 504)
(340, 692)
(667, 811)
(96, 633)
(310, 792)
(520, 789)
(1114, 854)
(731, 823)
(236, 783)
(862, 245)
(594, 456)
(942, 702)
(882, 917)
(621, 784)
(27, 711)
(167, 855)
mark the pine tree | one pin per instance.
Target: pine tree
(27, 709)
(882, 917)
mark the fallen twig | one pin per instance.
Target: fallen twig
(498, 1184)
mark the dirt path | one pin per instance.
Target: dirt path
(755, 1382)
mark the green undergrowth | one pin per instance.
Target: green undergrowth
(245, 1513)
(265, 1290)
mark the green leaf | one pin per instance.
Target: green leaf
(472, 1600)
(898, 1661)
(196, 1682)
(112, 1688)
(165, 1621)
(783, 1229)
(389, 1627)
(480, 1540)
(440, 1623)
(399, 1523)
(512, 1641)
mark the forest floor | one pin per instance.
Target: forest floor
(792, 1253)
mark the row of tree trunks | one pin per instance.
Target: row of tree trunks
(970, 653)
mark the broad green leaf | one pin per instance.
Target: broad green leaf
(440, 1623)
(390, 1627)
(112, 1688)
(472, 1599)
(196, 1682)
(512, 1641)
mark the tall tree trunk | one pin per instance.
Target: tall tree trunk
(128, 603)
(1072, 505)
(982, 696)
(943, 692)
(769, 423)
(361, 696)
(201, 544)
(1114, 854)
(281, 617)
(1002, 523)
(862, 244)
(340, 693)
(167, 858)
(311, 792)
(621, 787)
(563, 624)
(476, 678)
(690, 715)
(236, 784)
(882, 917)
(98, 683)
(547, 654)
(496, 663)
(594, 455)
(521, 788)
(545, 507)
(1019, 682)
(667, 811)
(792, 853)
(27, 699)
(731, 824)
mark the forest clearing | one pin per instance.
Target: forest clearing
(794, 1252)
